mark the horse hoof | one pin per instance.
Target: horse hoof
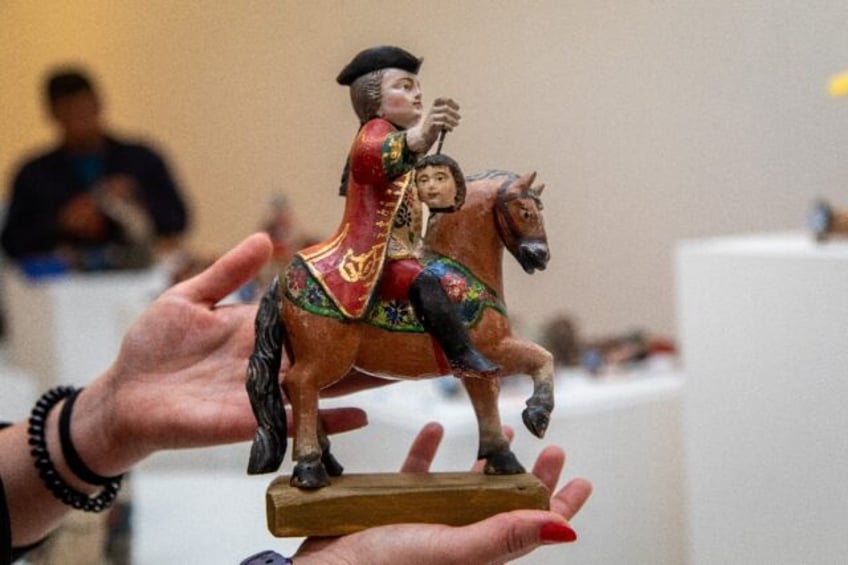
(332, 465)
(310, 474)
(503, 464)
(266, 453)
(536, 419)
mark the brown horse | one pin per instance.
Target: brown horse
(501, 210)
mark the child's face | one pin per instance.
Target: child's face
(436, 186)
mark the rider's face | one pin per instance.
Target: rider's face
(436, 186)
(400, 98)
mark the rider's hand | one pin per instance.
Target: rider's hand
(443, 116)
(496, 540)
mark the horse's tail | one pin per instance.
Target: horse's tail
(263, 386)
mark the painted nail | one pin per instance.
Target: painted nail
(556, 533)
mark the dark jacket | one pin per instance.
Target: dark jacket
(45, 185)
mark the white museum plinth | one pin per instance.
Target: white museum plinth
(763, 321)
(67, 329)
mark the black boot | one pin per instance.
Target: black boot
(441, 319)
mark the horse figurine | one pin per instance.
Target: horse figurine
(465, 248)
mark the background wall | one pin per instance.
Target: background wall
(649, 121)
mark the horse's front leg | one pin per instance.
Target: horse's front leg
(494, 445)
(523, 357)
(302, 391)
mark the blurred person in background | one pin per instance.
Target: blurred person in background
(94, 201)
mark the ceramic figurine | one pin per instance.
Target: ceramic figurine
(370, 300)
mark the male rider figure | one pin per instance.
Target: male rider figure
(374, 248)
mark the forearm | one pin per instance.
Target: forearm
(419, 141)
(33, 509)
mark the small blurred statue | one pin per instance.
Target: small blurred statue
(826, 222)
(560, 337)
(281, 225)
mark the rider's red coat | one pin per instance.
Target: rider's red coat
(349, 264)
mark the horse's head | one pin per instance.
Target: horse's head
(518, 216)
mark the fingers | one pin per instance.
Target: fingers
(570, 499)
(549, 465)
(510, 535)
(227, 274)
(423, 449)
(444, 115)
(497, 540)
(338, 420)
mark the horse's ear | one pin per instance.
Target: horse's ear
(527, 179)
(537, 190)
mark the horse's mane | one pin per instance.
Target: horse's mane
(492, 174)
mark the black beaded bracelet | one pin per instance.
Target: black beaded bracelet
(72, 458)
(46, 470)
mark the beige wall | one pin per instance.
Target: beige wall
(649, 121)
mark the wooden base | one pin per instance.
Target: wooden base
(356, 502)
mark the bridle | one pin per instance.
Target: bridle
(507, 229)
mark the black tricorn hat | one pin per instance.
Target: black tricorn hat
(376, 58)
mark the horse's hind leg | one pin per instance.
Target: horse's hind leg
(494, 445)
(324, 352)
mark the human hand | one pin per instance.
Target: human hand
(121, 187)
(82, 218)
(179, 379)
(495, 540)
(443, 116)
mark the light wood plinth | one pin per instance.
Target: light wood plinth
(356, 502)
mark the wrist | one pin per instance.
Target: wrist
(417, 142)
(60, 472)
(54, 448)
(95, 429)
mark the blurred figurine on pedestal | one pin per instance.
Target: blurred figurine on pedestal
(561, 336)
(280, 223)
(826, 221)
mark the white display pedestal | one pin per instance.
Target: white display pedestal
(764, 329)
(68, 329)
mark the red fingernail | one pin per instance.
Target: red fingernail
(556, 533)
